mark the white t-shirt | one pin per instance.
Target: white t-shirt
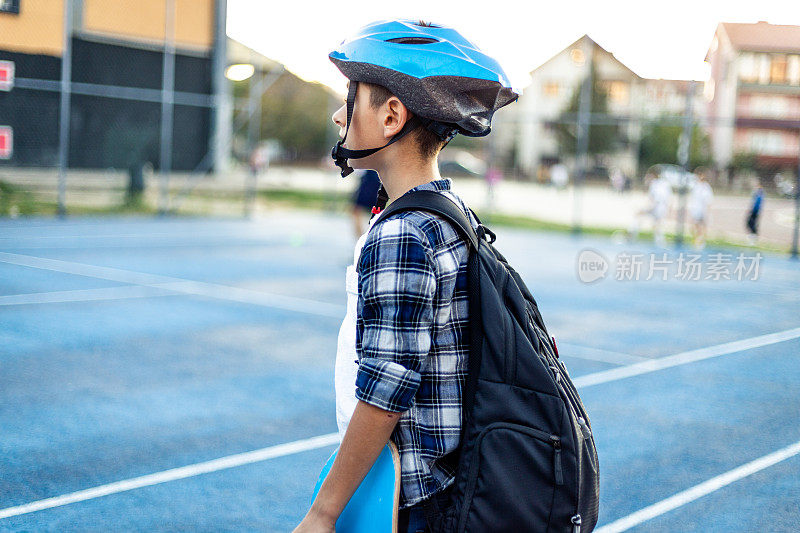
(559, 175)
(660, 193)
(699, 199)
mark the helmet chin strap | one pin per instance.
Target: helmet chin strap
(340, 154)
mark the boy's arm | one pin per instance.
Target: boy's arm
(397, 283)
(368, 432)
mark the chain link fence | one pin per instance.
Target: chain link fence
(123, 105)
(115, 105)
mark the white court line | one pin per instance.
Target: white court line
(698, 491)
(145, 235)
(651, 365)
(233, 293)
(597, 354)
(84, 295)
(271, 452)
(179, 285)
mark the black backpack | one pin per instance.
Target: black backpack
(527, 459)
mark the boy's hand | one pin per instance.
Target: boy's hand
(314, 523)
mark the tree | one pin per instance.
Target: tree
(603, 138)
(659, 144)
(745, 161)
(298, 114)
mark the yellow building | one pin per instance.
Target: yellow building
(118, 50)
(36, 27)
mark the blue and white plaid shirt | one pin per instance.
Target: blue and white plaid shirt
(411, 338)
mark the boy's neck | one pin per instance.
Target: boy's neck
(400, 175)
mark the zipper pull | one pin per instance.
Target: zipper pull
(556, 373)
(555, 348)
(557, 460)
(576, 524)
(584, 427)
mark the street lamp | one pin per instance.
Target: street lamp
(239, 71)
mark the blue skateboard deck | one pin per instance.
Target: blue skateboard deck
(373, 507)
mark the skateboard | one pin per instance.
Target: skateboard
(373, 507)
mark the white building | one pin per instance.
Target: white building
(554, 83)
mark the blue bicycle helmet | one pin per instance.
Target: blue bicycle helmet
(443, 79)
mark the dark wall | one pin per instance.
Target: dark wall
(106, 132)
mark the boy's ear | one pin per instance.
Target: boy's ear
(395, 116)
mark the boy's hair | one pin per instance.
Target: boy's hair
(428, 143)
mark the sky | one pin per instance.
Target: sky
(666, 39)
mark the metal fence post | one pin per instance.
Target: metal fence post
(221, 113)
(684, 149)
(796, 208)
(167, 97)
(582, 142)
(63, 125)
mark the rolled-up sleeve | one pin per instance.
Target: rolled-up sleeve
(397, 284)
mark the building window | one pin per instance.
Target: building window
(577, 56)
(764, 65)
(766, 142)
(748, 71)
(777, 72)
(9, 6)
(768, 106)
(551, 89)
(618, 91)
(793, 69)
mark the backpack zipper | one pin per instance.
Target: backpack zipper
(559, 474)
(574, 407)
(575, 426)
(576, 523)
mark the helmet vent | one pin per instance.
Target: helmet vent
(412, 40)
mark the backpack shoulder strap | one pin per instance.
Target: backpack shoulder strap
(434, 202)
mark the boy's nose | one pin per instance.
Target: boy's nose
(339, 117)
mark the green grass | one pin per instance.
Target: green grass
(15, 201)
(644, 236)
(338, 201)
(513, 221)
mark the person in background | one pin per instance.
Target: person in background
(617, 179)
(363, 200)
(493, 176)
(755, 210)
(659, 193)
(559, 175)
(699, 200)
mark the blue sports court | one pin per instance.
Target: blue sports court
(177, 374)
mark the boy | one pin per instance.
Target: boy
(659, 192)
(412, 87)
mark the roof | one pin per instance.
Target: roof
(594, 44)
(239, 53)
(762, 36)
